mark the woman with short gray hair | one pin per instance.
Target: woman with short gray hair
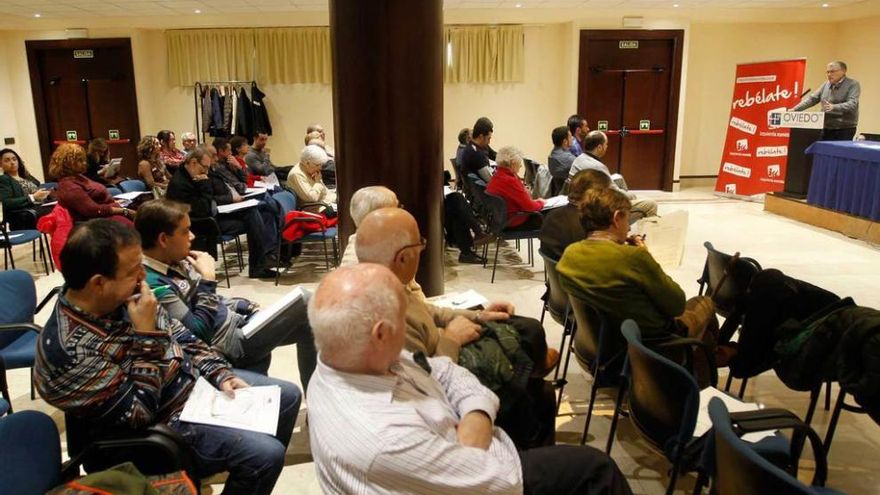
(506, 184)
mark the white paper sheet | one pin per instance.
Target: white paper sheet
(459, 300)
(263, 316)
(733, 404)
(130, 195)
(254, 191)
(555, 202)
(665, 237)
(253, 408)
(248, 203)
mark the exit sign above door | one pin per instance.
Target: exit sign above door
(629, 44)
(83, 54)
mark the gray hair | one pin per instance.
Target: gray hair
(509, 155)
(839, 64)
(313, 154)
(187, 135)
(343, 322)
(370, 198)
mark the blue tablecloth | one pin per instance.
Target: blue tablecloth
(846, 177)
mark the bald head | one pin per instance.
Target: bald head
(347, 307)
(383, 233)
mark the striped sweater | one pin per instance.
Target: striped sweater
(102, 369)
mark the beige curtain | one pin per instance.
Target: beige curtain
(484, 54)
(293, 55)
(209, 55)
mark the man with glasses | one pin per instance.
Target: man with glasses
(840, 102)
(189, 142)
(390, 237)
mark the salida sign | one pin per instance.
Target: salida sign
(756, 151)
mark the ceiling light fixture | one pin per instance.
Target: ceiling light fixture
(675, 5)
(825, 5)
(38, 15)
(197, 11)
(519, 5)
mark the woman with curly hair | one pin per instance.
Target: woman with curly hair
(83, 197)
(150, 168)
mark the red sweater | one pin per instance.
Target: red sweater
(507, 185)
(86, 199)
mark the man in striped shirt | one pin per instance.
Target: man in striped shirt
(118, 360)
(386, 421)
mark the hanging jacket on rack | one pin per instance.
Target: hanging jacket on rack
(244, 123)
(206, 109)
(228, 103)
(234, 100)
(216, 113)
(261, 116)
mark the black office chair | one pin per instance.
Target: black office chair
(599, 349)
(725, 279)
(740, 469)
(556, 303)
(499, 226)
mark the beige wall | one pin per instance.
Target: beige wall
(524, 113)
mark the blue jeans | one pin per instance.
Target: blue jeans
(253, 460)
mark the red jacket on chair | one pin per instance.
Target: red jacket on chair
(311, 222)
(507, 185)
(58, 225)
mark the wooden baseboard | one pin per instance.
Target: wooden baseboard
(848, 225)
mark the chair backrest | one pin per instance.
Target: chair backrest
(114, 191)
(287, 200)
(496, 211)
(459, 184)
(557, 299)
(598, 343)
(737, 281)
(663, 396)
(132, 185)
(19, 298)
(739, 468)
(30, 453)
(531, 172)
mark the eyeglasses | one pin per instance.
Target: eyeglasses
(421, 245)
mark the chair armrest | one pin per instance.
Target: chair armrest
(312, 203)
(52, 293)
(782, 419)
(13, 327)
(691, 342)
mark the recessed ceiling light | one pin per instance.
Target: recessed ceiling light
(38, 15)
(519, 5)
(197, 11)
(825, 5)
(675, 5)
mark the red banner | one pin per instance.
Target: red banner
(756, 153)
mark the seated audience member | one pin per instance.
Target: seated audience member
(595, 147)
(390, 237)
(306, 181)
(464, 139)
(328, 170)
(522, 210)
(382, 420)
(364, 201)
(111, 356)
(192, 185)
(578, 128)
(463, 228)
(258, 161)
(151, 170)
(563, 226)
(475, 157)
(83, 198)
(19, 190)
(184, 282)
(168, 152)
(98, 156)
(560, 158)
(618, 276)
(188, 140)
(227, 166)
(240, 149)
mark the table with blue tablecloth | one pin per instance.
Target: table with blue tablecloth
(846, 177)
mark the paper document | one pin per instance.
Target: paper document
(734, 405)
(253, 408)
(130, 195)
(459, 300)
(665, 237)
(248, 203)
(447, 191)
(112, 168)
(254, 191)
(264, 316)
(555, 202)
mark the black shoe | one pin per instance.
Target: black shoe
(473, 258)
(264, 273)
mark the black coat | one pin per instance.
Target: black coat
(199, 195)
(261, 115)
(244, 116)
(561, 227)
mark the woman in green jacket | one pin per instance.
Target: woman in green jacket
(19, 190)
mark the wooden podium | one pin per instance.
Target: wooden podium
(800, 165)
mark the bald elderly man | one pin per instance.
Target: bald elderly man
(381, 422)
(390, 237)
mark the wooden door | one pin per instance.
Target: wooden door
(86, 86)
(629, 80)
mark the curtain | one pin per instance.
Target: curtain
(484, 54)
(209, 55)
(293, 55)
